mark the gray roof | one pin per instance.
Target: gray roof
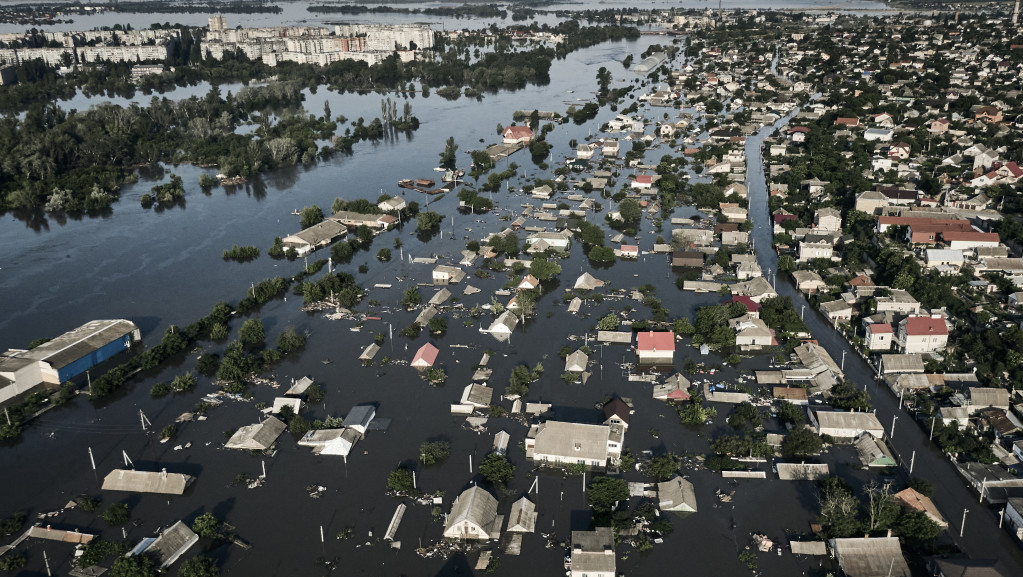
(576, 361)
(809, 547)
(588, 282)
(873, 557)
(676, 495)
(848, 420)
(593, 551)
(318, 234)
(147, 482)
(802, 471)
(476, 506)
(172, 543)
(522, 518)
(906, 363)
(475, 394)
(79, 342)
(441, 296)
(989, 397)
(873, 452)
(257, 437)
(817, 359)
(574, 440)
(360, 416)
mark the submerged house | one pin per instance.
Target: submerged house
(425, 357)
(162, 482)
(655, 347)
(593, 553)
(170, 545)
(503, 326)
(522, 518)
(676, 495)
(557, 442)
(258, 437)
(474, 516)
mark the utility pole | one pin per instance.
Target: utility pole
(843, 361)
(911, 461)
(931, 437)
(962, 526)
(892, 434)
(92, 459)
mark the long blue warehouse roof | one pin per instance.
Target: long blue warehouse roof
(80, 342)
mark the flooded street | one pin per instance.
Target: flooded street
(160, 268)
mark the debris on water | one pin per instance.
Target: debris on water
(315, 491)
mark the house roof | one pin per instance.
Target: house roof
(172, 543)
(576, 361)
(588, 282)
(651, 341)
(257, 437)
(790, 393)
(870, 557)
(575, 440)
(425, 356)
(593, 551)
(910, 498)
(751, 305)
(872, 452)
(917, 326)
(849, 421)
(522, 518)
(479, 395)
(360, 416)
(617, 408)
(476, 506)
(147, 482)
(676, 494)
(989, 396)
(968, 568)
(518, 132)
(880, 328)
(80, 342)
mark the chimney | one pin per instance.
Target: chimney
(163, 473)
(889, 532)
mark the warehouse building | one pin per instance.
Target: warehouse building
(23, 372)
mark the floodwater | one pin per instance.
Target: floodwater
(162, 268)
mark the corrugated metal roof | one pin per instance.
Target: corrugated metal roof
(84, 340)
(147, 482)
(870, 557)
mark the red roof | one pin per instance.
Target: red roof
(644, 179)
(679, 395)
(878, 328)
(655, 341)
(780, 218)
(848, 121)
(751, 305)
(425, 356)
(925, 326)
(971, 235)
(518, 132)
(1014, 169)
(630, 248)
(802, 129)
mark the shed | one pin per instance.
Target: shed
(258, 437)
(281, 402)
(501, 442)
(477, 395)
(676, 495)
(522, 518)
(808, 547)
(369, 352)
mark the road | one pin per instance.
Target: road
(982, 539)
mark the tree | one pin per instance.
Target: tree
(437, 325)
(206, 525)
(411, 297)
(429, 220)
(384, 255)
(786, 263)
(916, 527)
(882, 512)
(496, 468)
(400, 480)
(743, 414)
(801, 442)
(11, 563)
(790, 414)
(251, 332)
(838, 507)
(289, 340)
(518, 384)
(604, 492)
(199, 567)
(543, 269)
(631, 211)
(434, 452)
(602, 254)
(117, 514)
(314, 394)
(608, 322)
(135, 566)
(447, 157)
(663, 467)
(922, 486)
(310, 216)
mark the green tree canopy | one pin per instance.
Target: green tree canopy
(496, 468)
(603, 492)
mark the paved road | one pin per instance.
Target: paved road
(982, 539)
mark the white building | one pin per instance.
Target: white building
(557, 442)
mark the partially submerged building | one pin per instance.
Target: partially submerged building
(593, 553)
(166, 548)
(258, 437)
(160, 482)
(23, 372)
(522, 518)
(676, 495)
(870, 557)
(474, 517)
(557, 442)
